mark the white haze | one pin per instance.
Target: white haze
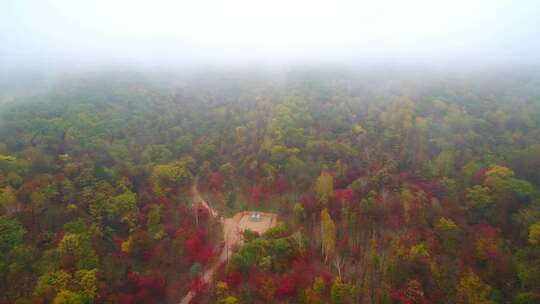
(52, 33)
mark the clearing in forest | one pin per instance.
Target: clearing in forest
(233, 228)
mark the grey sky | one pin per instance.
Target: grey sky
(275, 31)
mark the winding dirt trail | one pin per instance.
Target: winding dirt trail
(232, 231)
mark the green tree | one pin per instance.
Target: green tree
(357, 129)
(313, 294)
(478, 197)
(527, 298)
(155, 228)
(124, 208)
(471, 290)
(299, 212)
(52, 282)
(270, 173)
(85, 282)
(407, 200)
(8, 200)
(230, 199)
(227, 169)
(78, 247)
(340, 292)
(11, 234)
(521, 188)
(448, 233)
(195, 270)
(297, 172)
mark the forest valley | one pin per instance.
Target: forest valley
(390, 187)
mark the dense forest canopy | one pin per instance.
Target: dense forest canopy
(390, 186)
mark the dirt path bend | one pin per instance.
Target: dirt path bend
(197, 198)
(232, 232)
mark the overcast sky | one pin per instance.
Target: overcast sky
(275, 31)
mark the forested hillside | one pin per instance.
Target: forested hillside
(390, 187)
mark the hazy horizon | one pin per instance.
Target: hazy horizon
(61, 34)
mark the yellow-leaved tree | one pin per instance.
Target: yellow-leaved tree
(328, 234)
(324, 187)
(167, 176)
